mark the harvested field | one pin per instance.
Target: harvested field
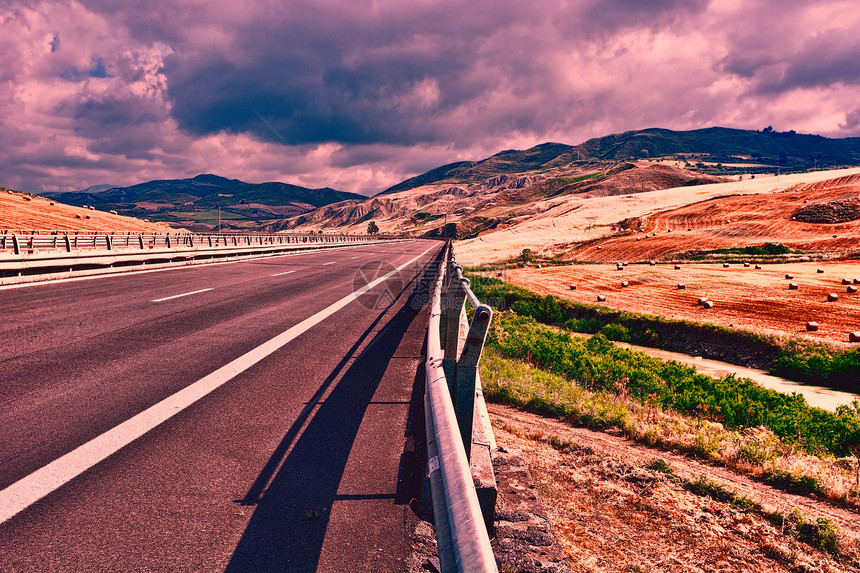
(745, 297)
(23, 212)
(741, 220)
(560, 222)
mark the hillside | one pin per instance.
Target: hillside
(734, 150)
(484, 203)
(516, 187)
(22, 213)
(194, 203)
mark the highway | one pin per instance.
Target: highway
(260, 415)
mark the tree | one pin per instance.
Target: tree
(372, 228)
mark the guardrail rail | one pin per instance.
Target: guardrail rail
(44, 252)
(452, 397)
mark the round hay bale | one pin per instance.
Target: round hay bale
(572, 287)
(834, 236)
(811, 326)
(832, 297)
(677, 267)
(819, 271)
(725, 265)
(758, 267)
(746, 265)
(854, 336)
(806, 200)
(681, 286)
(846, 282)
(702, 300)
(793, 286)
(851, 289)
(668, 230)
(626, 284)
(498, 274)
(638, 239)
(707, 304)
(689, 228)
(599, 247)
(652, 263)
(619, 267)
(788, 276)
(601, 298)
(538, 266)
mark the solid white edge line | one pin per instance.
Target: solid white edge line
(283, 273)
(33, 487)
(329, 263)
(183, 294)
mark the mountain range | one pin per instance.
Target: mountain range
(201, 202)
(481, 195)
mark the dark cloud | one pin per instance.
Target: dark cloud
(371, 92)
(334, 73)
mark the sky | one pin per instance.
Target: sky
(360, 94)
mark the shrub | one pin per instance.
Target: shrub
(737, 403)
(615, 331)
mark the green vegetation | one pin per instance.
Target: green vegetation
(765, 252)
(705, 487)
(807, 362)
(597, 365)
(797, 360)
(424, 217)
(822, 534)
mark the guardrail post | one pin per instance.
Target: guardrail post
(467, 366)
(109, 242)
(16, 247)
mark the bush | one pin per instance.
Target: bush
(794, 359)
(598, 364)
(617, 332)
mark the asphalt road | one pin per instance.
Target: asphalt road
(249, 416)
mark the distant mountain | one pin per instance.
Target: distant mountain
(746, 151)
(194, 203)
(795, 151)
(504, 162)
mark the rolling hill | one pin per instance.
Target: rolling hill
(195, 203)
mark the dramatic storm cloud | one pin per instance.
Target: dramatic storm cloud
(361, 94)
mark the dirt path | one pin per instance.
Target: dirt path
(614, 514)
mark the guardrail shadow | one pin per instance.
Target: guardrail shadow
(288, 527)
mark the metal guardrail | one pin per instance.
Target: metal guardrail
(59, 252)
(461, 534)
(29, 243)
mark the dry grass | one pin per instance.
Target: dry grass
(755, 452)
(617, 507)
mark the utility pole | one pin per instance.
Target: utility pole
(219, 219)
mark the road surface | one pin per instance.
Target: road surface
(250, 416)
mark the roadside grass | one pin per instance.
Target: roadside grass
(794, 359)
(821, 533)
(774, 437)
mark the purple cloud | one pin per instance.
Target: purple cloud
(362, 95)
